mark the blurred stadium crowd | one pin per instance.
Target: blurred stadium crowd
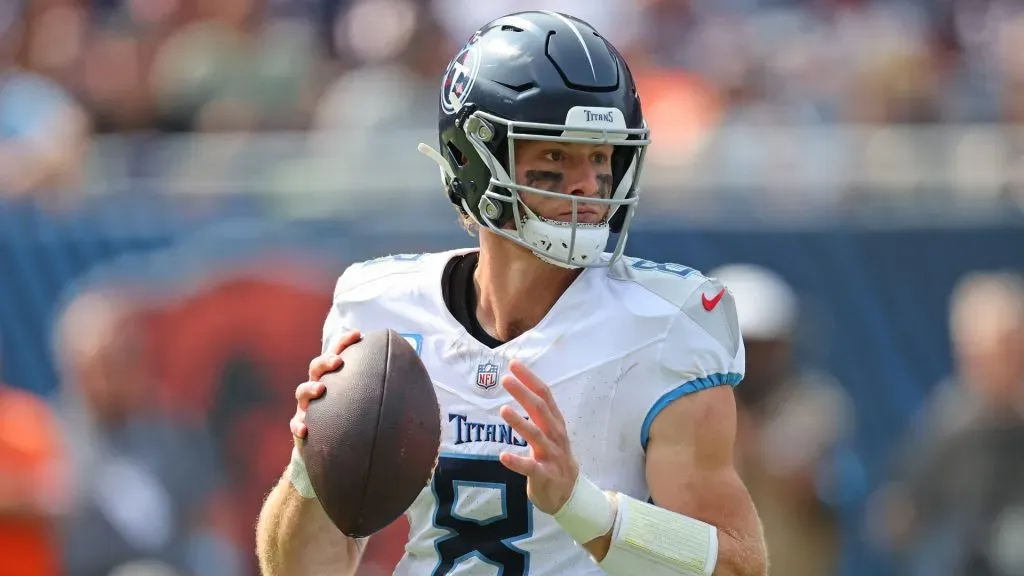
(749, 84)
(151, 454)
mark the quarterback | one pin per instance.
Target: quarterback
(586, 396)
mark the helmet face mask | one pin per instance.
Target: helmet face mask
(538, 98)
(564, 243)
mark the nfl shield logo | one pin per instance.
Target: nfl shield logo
(487, 376)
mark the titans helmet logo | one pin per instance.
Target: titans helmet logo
(460, 76)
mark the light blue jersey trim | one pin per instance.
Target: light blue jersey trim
(695, 385)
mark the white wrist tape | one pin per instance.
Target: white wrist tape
(298, 476)
(588, 513)
(656, 542)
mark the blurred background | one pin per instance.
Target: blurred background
(181, 182)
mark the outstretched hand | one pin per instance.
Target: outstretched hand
(550, 467)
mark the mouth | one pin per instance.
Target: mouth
(583, 216)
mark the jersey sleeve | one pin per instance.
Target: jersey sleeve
(358, 293)
(339, 318)
(702, 349)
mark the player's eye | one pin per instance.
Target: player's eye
(599, 158)
(554, 155)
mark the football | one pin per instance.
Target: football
(373, 437)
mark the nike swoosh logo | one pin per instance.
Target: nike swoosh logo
(710, 303)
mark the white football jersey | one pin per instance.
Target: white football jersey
(619, 346)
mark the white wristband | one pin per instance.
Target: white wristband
(656, 542)
(298, 476)
(588, 513)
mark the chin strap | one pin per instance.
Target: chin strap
(447, 175)
(430, 152)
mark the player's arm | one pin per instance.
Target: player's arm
(704, 522)
(294, 536)
(690, 472)
(701, 519)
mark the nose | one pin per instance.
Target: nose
(583, 182)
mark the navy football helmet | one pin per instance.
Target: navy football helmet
(539, 76)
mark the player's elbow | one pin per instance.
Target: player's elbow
(743, 556)
(295, 538)
(758, 562)
(267, 529)
(275, 540)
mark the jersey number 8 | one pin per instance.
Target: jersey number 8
(491, 540)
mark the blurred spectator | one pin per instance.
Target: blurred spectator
(955, 506)
(146, 485)
(793, 427)
(399, 51)
(237, 65)
(32, 485)
(42, 129)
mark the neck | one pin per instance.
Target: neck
(515, 289)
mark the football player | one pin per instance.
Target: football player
(586, 397)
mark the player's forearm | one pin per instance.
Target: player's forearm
(741, 554)
(294, 537)
(738, 555)
(622, 534)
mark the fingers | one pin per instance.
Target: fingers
(303, 394)
(329, 361)
(550, 467)
(308, 391)
(521, 464)
(347, 339)
(536, 385)
(323, 364)
(534, 437)
(298, 424)
(538, 410)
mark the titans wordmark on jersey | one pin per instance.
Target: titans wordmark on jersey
(620, 345)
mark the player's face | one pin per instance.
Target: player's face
(582, 170)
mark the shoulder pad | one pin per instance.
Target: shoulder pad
(363, 282)
(365, 272)
(711, 306)
(704, 300)
(673, 283)
(390, 264)
(394, 259)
